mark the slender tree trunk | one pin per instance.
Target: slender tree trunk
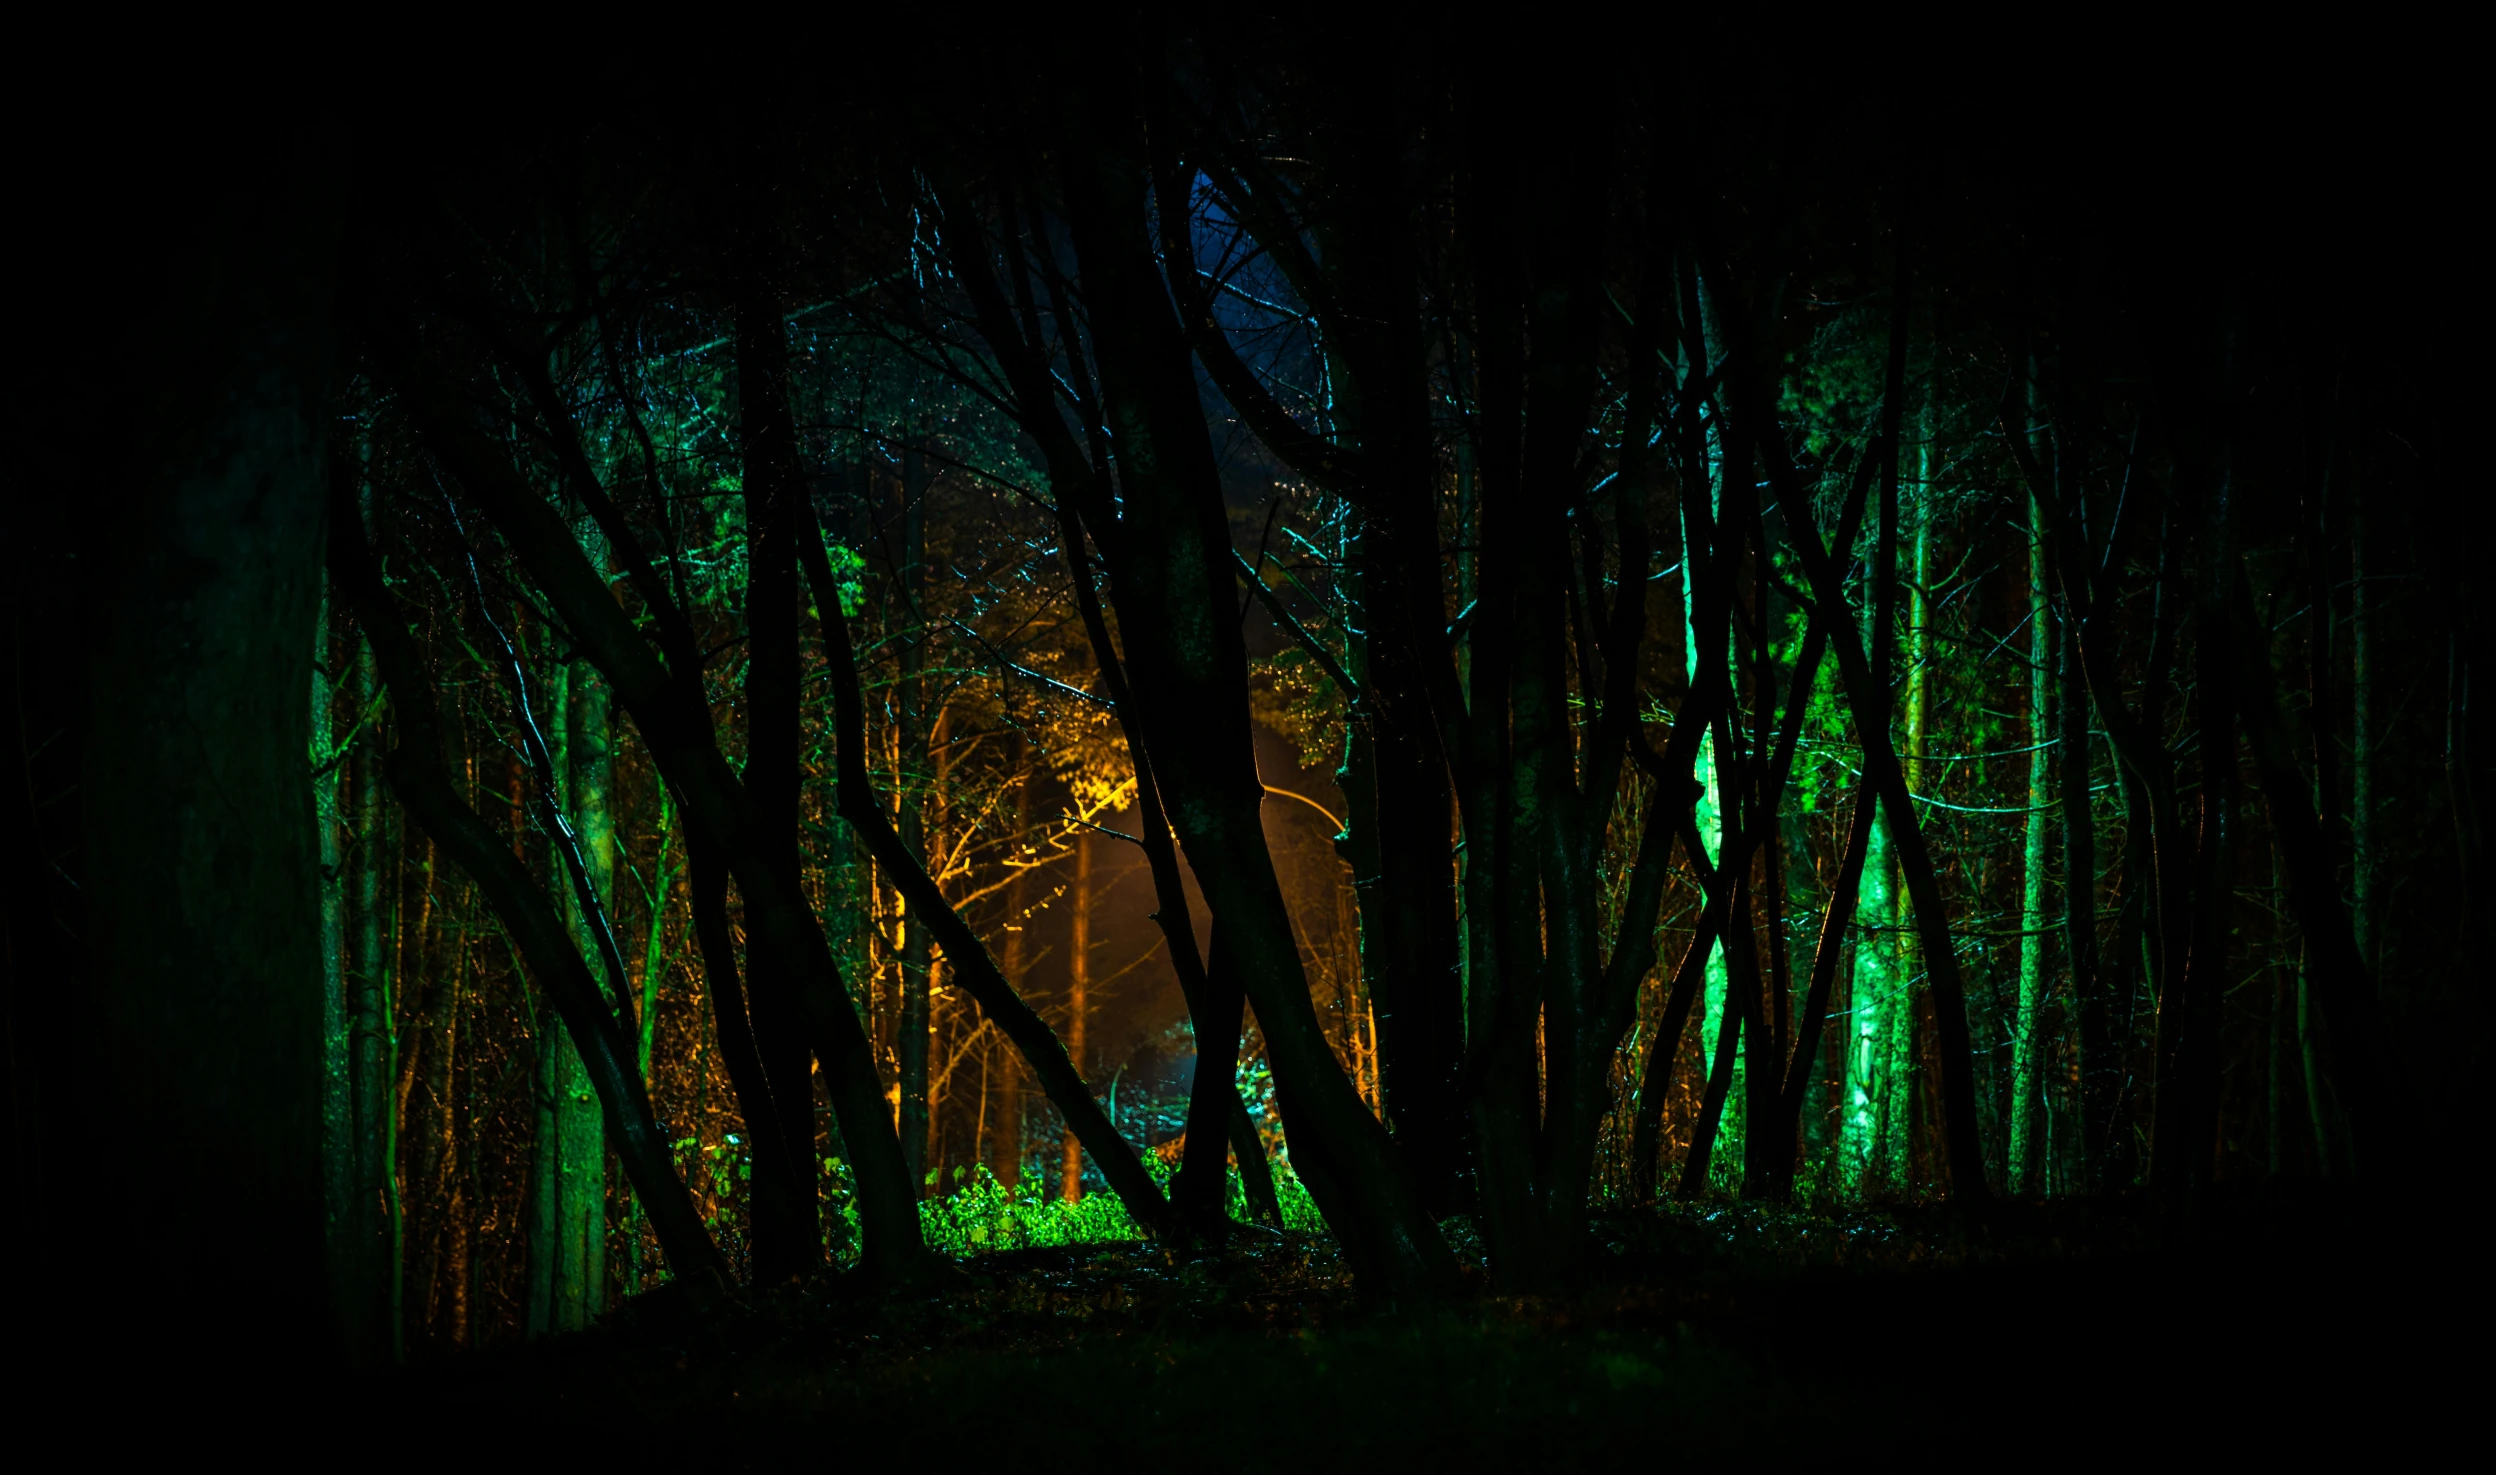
(1720, 1074)
(788, 1225)
(2100, 1069)
(653, 967)
(546, 1182)
(1078, 999)
(2274, 1046)
(1873, 1139)
(350, 1268)
(1900, 1042)
(567, 1248)
(1655, 1079)
(2330, 1134)
(372, 1024)
(1708, 814)
(590, 767)
(1005, 1121)
(1874, 1125)
(2028, 1037)
(455, 1269)
(2326, 533)
(911, 789)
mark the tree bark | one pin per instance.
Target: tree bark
(788, 1224)
(2100, 1068)
(1005, 1125)
(1078, 1001)
(580, 1256)
(202, 926)
(2027, 1153)
(911, 791)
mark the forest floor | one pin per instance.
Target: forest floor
(1707, 1327)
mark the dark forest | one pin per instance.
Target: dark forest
(1224, 744)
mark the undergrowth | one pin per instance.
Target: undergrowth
(982, 1216)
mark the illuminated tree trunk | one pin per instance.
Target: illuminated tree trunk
(910, 782)
(337, 1040)
(555, 1066)
(372, 1022)
(359, 1291)
(653, 967)
(1078, 998)
(1004, 1105)
(1873, 1140)
(1723, 1057)
(568, 1275)
(1876, 1095)
(1716, 1001)
(1716, 989)
(2028, 1041)
(2093, 1093)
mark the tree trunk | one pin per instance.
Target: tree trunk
(1398, 848)
(788, 1225)
(372, 1016)
(2028, 1037)
(573, 1165)
(2100, 1064)
(357, 1121)
(203, 887)
(1724, 1057)
(910, 790)
(1655, 1081)
(1005, 1117)
(1873, 1137)
(1874, 1134)
(1078, 998)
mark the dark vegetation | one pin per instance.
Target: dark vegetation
(1216, 744)
(1713, 1321)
